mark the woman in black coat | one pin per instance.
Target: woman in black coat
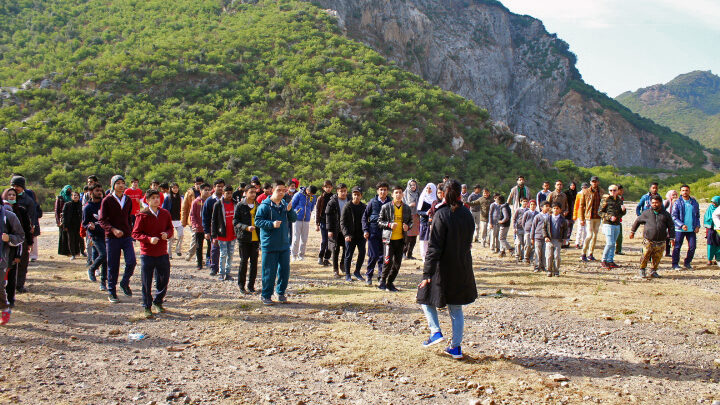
(71, 220)
(9, 197)
(448, 278)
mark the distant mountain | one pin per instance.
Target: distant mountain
(689, 104)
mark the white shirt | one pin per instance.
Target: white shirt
(120, 201)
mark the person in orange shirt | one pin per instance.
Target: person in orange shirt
(135, 194)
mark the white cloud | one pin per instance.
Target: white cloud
(706, 12)
(589, 14)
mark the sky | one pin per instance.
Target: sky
(625, 45)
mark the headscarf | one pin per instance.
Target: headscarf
(707, 219)
(412, 196)
(668, 196)
(66, 193)
(5, 196)
(426, 197)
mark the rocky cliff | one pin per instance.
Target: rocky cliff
(508, 64)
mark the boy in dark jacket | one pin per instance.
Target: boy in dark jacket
(223, 231)
(332, 223)
(519, 230)
(115, 211)
(351, 228)
(373, 234)
(321, 222)
(207, 211)
(554, 232)
(659, 228)
(504, 225)
(248, 239)
(538, 237)
(90, 223)
(153, 228)
(395, 220)
(526, 224)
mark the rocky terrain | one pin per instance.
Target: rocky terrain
(509, 64)
(589, 336)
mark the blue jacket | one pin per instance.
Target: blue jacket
(274, 239)
(643, 204)
(90, 215)
(678, 214)
(372, 214)
(206, 213)
(303, 205)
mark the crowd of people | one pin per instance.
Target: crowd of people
(270, 223)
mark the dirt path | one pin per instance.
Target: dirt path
(614, 338)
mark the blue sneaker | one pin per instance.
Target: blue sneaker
(455, 352)
(436, 338)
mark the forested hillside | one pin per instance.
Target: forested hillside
(168, 90)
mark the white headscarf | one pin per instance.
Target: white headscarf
(426, 197)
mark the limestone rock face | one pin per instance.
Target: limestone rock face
(506, 63)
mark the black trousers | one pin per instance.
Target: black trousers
(336, 244)
(325, 250)
(22, 267)
(159, 266)
(248, 254)
(199, 240)
(393, 260)
(409, 245)
(11, 283)
(359, 242)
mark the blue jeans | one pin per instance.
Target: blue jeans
(375, 253)
(226, 256)
(456, 317)
(691, 238)
(114, 247)
(611, 234)
(275, 265)
(324, 251)
(100, 260)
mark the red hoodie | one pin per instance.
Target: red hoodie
(147, 225)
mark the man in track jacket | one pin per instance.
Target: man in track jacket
(395, 220)
(659, 228)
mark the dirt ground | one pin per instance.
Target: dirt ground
(588, 336)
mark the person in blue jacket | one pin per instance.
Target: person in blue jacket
(206, 214)
(303, 202)
(686, 216)
(273, 218)
(644, 203)
(372, 231)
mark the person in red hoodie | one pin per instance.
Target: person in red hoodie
(135, 194)
(153, 228)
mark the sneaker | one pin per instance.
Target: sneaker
(21, 290)
(613, 265)
(455, 352)
(221, 277)
(620, 253)
(348, 278)
(391, 287)
(113, 298)
(251, 290)
(688, 267)
(642, 273)
(434, 339)
(228, 278)
(604, 265)
(103, 286)
(369, 282)
(411, 257)
(5, 318)
(676, 268)
(213, 273)
(282, 298)
(33, 260)
(198, 268)
(326, 263)
(320, 261)
(267, 301)
(584, 258)
(148, 313)
(382, 286)
(359, 276)
(159, 308)
(242, 289)
(91, 275)
(72, 257)
(654, 274)
(592, 258)
(126, 290)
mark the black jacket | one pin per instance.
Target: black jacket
(387, 216)
(351, 220)
(322, 203)
(658, 227)
(24, 219)
(217, 223)
(448, 262)
(72, 216)
(243, 220)
(332, 215)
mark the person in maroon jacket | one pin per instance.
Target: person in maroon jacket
(153, 228)
(114, 218)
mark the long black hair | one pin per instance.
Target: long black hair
(453, 192)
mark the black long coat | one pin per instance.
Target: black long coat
(448, 261)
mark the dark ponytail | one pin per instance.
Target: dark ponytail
(453, 193)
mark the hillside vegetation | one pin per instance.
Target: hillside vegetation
(689, 104)
(170, 90)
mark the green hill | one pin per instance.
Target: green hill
(689, 104)
(168, 90)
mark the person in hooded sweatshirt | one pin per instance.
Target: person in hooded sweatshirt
(333, 210)
(321, 223)
(11, 236)
(411, 198)
(538, 236)
(503, 225)
(9, 198)
(303, 202)
(153, 228)
(71, 221)
(248, 238)
(351, 228)
(373, 233)
(526, 223)
(91, 212)
(26, 199)
(273, 218)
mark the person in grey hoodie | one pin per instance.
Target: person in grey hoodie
(504, 225)
(519, 230)
(493, 228)
(538, 236)
(526, 223)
